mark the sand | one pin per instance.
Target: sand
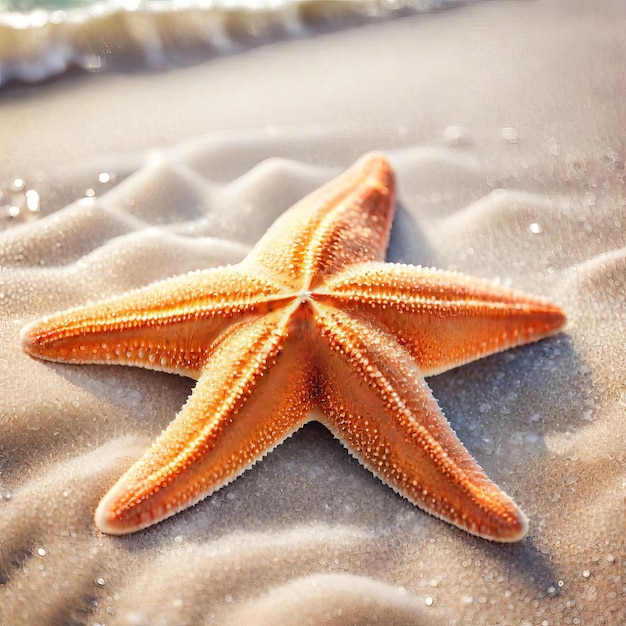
(505, 124)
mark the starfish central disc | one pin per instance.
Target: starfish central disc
(312, 322)
(304, 296)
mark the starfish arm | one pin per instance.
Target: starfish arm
(169, 326)
(235, 415)
(444, 319)
(344, 222)
(377, 403)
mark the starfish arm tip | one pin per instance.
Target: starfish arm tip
(524, 524)
(516, 530)
(505, 523)
(112, 518)
(497, 525)
(105, 519)
(28, 337)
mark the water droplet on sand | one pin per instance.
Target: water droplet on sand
(94, 62)
(32, 200)
(456, 135)
(510, 135)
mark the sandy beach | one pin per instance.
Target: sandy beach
(504, 122)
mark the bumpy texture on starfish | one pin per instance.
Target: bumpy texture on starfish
(312, 324)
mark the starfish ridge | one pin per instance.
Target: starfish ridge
(311, 325)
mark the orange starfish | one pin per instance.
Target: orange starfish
(311, 325)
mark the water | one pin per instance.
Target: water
(48, 5)
(40, 39)
(24, 6)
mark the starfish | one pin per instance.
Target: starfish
(311, 325)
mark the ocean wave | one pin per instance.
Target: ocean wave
(127, 35)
